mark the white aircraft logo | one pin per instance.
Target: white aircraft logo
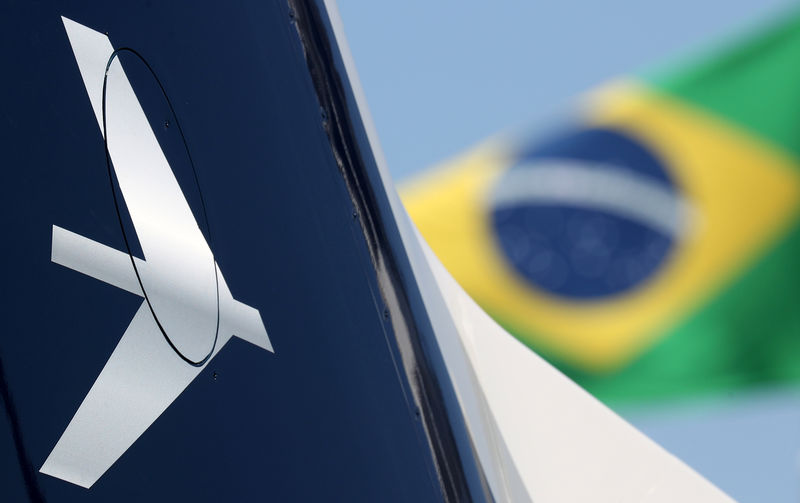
(181, 283)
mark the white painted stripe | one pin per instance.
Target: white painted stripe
(94, 259)
(567, 446)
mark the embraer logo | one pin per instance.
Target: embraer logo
(188, 312)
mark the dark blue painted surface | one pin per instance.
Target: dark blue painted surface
(461, 475)
(329, 416)
(11, 464)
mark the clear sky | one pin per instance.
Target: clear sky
(441, 76)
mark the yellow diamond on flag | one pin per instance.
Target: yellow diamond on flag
(733, 196)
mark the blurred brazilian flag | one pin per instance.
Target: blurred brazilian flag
(650, 247)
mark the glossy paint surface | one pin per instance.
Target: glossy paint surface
(330, 415)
